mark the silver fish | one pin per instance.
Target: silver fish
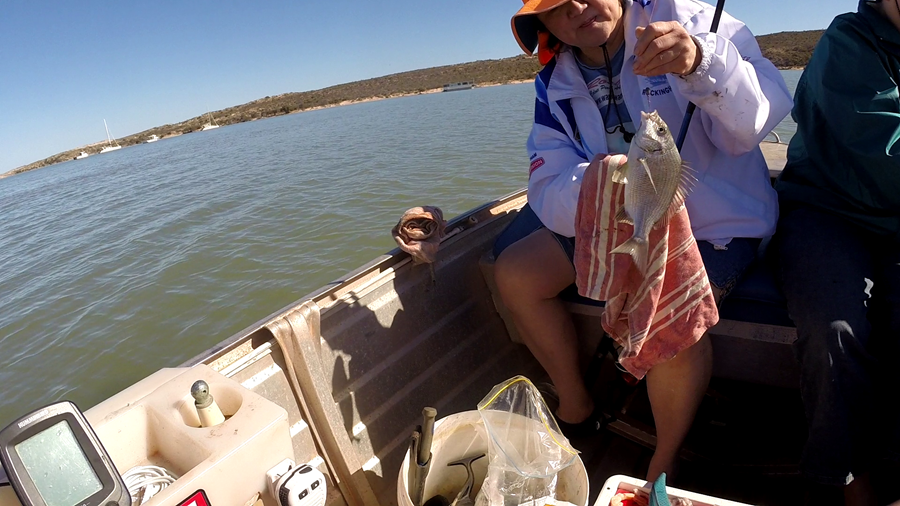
(657, 182)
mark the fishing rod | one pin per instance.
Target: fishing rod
(689, 112)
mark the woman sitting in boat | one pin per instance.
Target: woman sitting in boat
(659, 54)
(838, 249)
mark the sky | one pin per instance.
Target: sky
(65, 66)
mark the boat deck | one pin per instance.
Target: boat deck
(355, 362)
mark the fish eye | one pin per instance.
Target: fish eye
(661, 130)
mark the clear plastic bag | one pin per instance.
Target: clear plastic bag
(525, 446)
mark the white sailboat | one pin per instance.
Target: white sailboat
(212, 123)
(109, 141)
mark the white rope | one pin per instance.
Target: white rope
(144, 482)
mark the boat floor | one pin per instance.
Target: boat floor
(744, 445)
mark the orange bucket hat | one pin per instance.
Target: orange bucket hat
(525, 24)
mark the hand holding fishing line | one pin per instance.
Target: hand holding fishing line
(665, 47)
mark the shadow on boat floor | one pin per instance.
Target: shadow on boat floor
(744, 446)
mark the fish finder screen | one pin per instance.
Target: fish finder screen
(58, 467)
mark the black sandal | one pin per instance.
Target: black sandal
(589, 427)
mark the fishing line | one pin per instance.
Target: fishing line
(689, 112)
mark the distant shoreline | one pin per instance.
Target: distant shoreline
(262, 108)
(401, 95)
(314, 108)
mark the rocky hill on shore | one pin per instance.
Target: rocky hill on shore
(786, 50)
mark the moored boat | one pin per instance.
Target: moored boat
(211, 125)
(464, 85)
(111, 144)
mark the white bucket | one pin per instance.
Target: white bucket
(468, 437)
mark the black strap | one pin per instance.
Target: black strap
(689, 112)
(612, 100)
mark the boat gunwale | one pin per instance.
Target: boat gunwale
(335, 290)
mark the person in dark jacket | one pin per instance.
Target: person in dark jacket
(838, 242)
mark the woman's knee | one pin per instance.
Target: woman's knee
(515, 276)
(698, 357)
(533, 268)
(506, 270)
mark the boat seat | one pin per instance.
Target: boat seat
(757, 297)
(751, 342)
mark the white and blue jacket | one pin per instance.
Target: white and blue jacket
(740, 97)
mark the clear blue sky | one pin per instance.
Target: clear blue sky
(65, 66)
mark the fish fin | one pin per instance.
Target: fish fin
(618, 175)
(622, 216)
(649, 175)
(664, 219)
(688, 171)
(676, 206)
(688, 181)
(638, 249)
(680, 195)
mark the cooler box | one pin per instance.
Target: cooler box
(621, 483)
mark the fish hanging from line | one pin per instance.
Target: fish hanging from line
(657, 182)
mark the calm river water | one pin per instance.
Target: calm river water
(117, 265)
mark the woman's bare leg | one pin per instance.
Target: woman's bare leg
(530, 274)
(675, 389)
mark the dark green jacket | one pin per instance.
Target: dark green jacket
(845, 156)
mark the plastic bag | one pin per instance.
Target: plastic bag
(525, 446)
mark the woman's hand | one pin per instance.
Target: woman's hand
(665, 47)
(598, 160)
(613, 163)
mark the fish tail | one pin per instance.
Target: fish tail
(638, 249)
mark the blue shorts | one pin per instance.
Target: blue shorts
(724, 267)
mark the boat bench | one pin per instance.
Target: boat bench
(751, 342)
